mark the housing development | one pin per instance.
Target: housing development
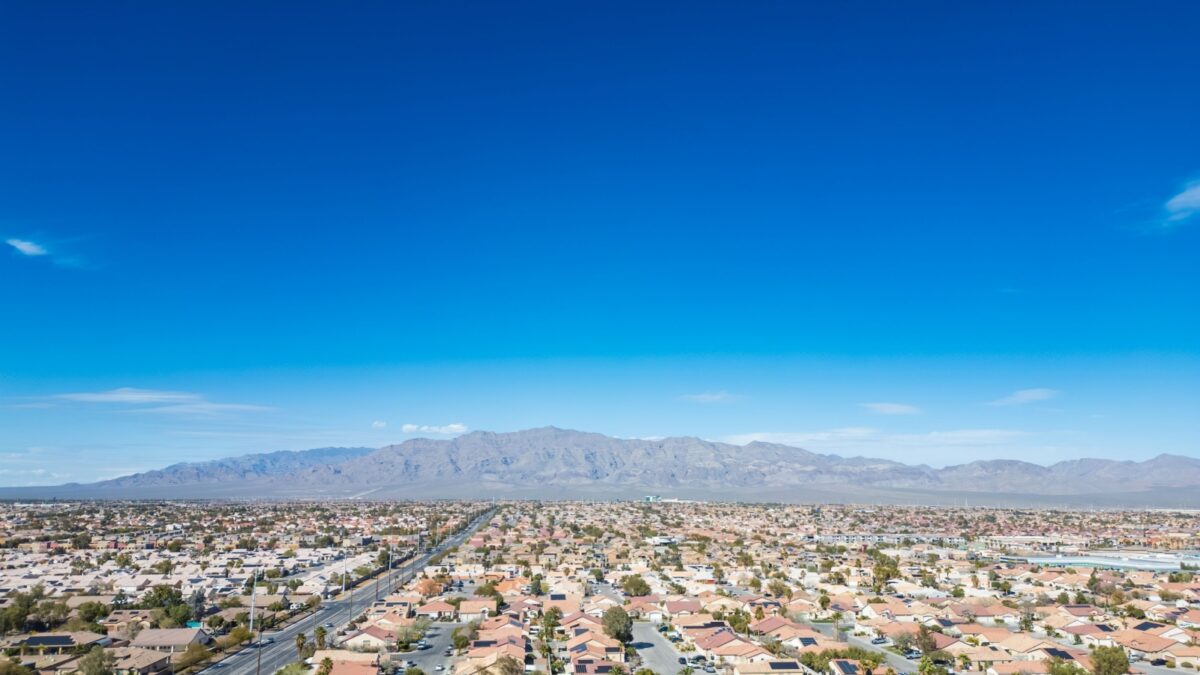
(665, 587)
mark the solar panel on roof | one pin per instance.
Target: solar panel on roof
(49, 641)
(784, 665)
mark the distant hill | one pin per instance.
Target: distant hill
(558, 463)
(245, 468)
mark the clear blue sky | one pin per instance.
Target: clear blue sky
(236, 227)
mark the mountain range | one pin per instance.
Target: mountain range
(558, 463)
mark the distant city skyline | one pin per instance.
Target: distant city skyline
(930, 232)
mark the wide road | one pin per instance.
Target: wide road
(338, 612)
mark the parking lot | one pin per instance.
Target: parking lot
(439, 639)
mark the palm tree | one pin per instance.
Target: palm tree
(319, 635)
(301, 641)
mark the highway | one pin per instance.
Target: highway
(336, 611)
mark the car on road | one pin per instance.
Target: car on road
(682, 661)
(439, 667)
(270, 641)
(912, 654)
(879, 641)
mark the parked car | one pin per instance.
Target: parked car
(682, 661)
(879, 641)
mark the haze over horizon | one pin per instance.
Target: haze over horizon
(931, 233)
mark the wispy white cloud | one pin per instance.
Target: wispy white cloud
(378, 424)
(26, 247)
(132, 395)
(891, 408)
(443, 430)
(157, 401)
(1183, 206)
(709, 397)
(203, 408)
(1023, 396)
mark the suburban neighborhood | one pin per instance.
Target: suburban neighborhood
(655, 586)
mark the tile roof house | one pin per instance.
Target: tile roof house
(138, 661)
(60, 642)
(171, 640)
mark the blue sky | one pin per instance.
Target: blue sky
(280, 226)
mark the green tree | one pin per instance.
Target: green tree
(91, 611)
(194, 654)
(1109, 661)
(618, 625)
(550, 620)
(635, 586)
(301, 642)
(97, 662)
(925, 640)
(319, 634)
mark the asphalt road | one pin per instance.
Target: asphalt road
(338, 612)
(657, 652)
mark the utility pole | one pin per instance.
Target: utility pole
(258, 648)
(253, 593)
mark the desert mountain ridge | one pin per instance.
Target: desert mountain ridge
(561, 463)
